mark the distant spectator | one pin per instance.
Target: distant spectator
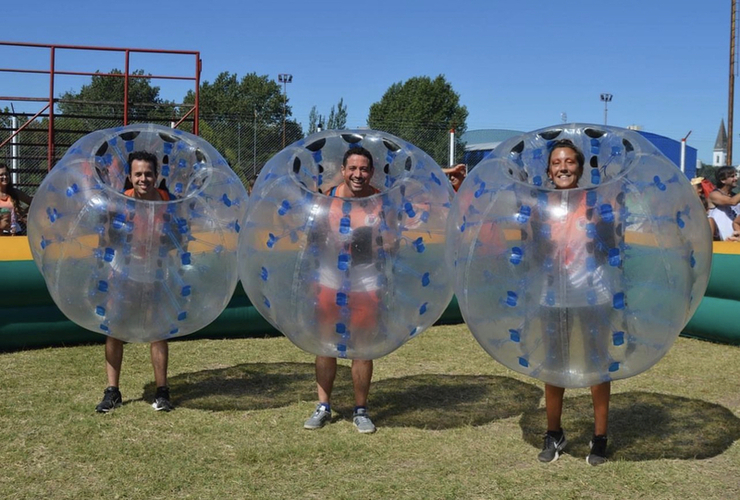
(726, 204)
(703, 188)
(456, 175)
(12, 214)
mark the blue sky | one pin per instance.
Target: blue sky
(516, 65)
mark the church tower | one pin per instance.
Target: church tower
(719, 157)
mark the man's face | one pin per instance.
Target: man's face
(143, 179)
(357, 174)
(730, 179)
(564, 169)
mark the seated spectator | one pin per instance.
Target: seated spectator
(12, 214)
(726, 203)
(456, 175)
(703, 188)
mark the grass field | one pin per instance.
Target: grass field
(452, 423)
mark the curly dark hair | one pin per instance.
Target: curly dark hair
(147, 157)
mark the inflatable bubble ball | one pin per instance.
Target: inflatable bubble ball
(347, 277)
(130, 268)
(585, 285)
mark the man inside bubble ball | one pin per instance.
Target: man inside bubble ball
(565, 168)
(143, 177)
(357, 171)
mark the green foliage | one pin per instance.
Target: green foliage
(314, 120)
(103, 97)
(337, 119)
(232, 110)
(422, 111)
(707, 171)
(100, 104)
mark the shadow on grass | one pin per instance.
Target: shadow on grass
(423, 401)
(448, 401)
(250, 386)
(644, 426)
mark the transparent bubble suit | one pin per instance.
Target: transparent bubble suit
(139, 270)
(581, 286)
(347, 277)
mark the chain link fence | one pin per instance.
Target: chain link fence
(245, 142)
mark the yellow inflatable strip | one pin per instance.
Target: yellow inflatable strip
(14, 248)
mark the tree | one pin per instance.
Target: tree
(314, 120)
(243, 119)
(104, 98)
(337, 120)
(100, 104)
(422, 111)
(707, 171)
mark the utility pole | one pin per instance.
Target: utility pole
(285, 79)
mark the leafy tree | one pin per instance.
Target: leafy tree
(243, 119)
(100, 104)
(422, 111)
(103, 97)
(337, 120)
(314, 120)
(707, 171)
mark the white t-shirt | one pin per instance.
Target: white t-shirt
(723, 215)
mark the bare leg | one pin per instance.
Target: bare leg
(160, 355)
(554, 406)
(326, 372)
(600, 395)
(362, 374)
(113, 360)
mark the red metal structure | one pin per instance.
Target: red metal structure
(53, 72)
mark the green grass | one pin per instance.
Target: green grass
(452, 423)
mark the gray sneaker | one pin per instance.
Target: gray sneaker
(321, 416)
(552, 447)
(362, 421)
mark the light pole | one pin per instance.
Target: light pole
(285, 79)
(254, 144)
(607, 99)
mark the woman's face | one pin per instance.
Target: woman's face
(4, 178)
(564, 169)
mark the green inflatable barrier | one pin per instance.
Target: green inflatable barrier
(29, 317)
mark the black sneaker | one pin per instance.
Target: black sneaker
(554, 444)
(162, 399)
(597, 456)
(111, 399)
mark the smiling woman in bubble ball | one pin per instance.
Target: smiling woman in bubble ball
(578, 270)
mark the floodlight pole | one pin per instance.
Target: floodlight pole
(285, 79)
(606, 98)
